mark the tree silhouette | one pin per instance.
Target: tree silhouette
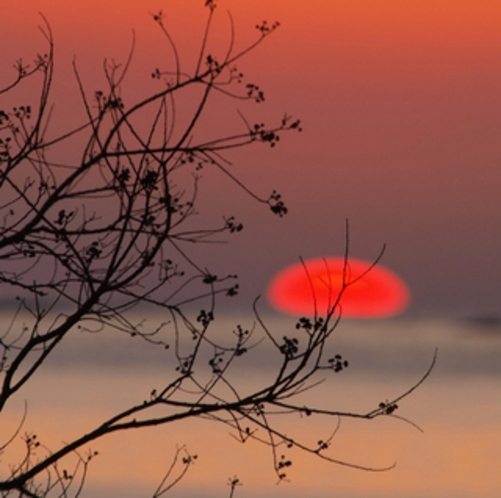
(82, 244)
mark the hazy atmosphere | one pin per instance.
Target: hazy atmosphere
(399, 103)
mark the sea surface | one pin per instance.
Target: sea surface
(445, 438)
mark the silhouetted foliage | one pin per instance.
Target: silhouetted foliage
(82, 244)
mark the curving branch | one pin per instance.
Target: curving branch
(85, 244)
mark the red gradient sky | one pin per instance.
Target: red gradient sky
(401, 107)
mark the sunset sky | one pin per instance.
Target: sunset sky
(401, 110)
(400, 105)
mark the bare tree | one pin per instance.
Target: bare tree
(83, 243)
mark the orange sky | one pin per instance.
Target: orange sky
(400, 102)
(401, 112)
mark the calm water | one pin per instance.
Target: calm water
(457, 455)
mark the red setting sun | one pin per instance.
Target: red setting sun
(317, 283)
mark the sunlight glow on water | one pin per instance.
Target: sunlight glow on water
(458, 407)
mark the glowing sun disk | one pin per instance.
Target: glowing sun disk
(317, 285)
